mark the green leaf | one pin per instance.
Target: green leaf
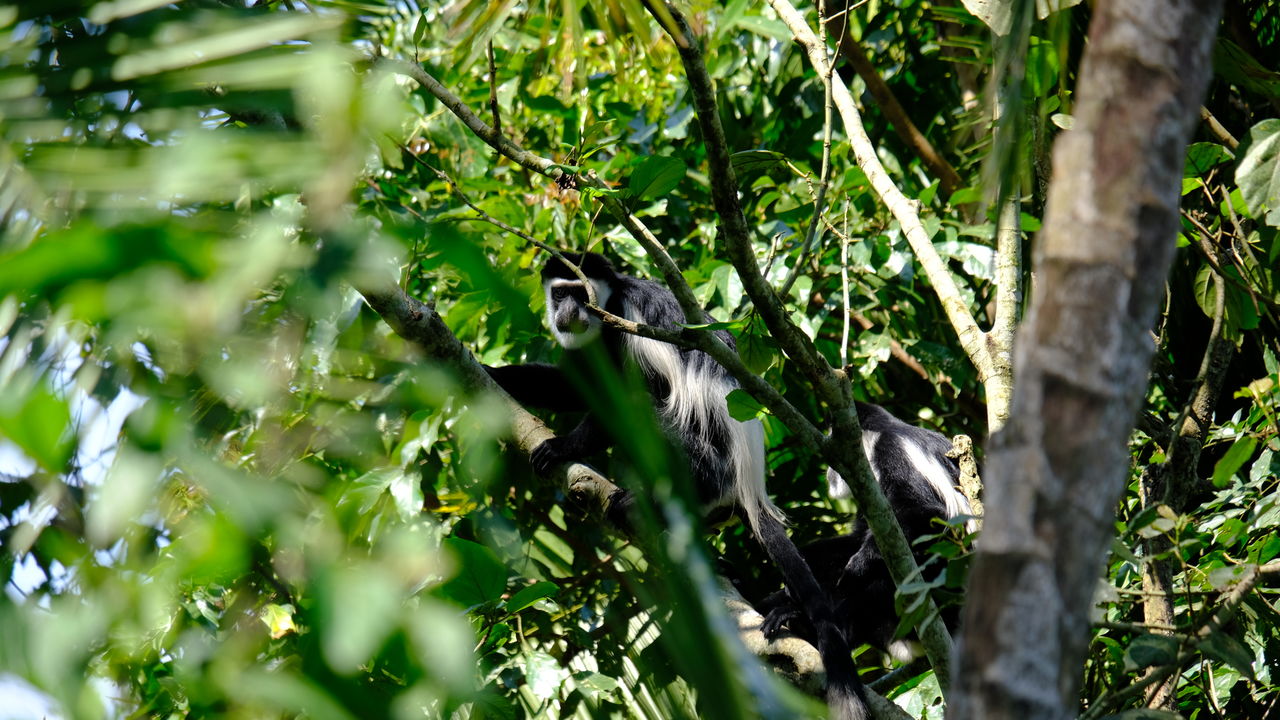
(1267, 465)
(1227, 649)
(1258, 174)
(37, 423)
(1148, 650)
(656, 177)
(750, 161)
(926, 195)
(89, 252)
(547, 104)
(1235, 65)
(764, 27)
(127, 492)
(758, 352)
(1205, 292)
(1239, 453)
(744, 407)
(1202, 156)
(278, 619)
(593, 684)
(528, 596)
(481, 576)
(544, 675)
(966, 195)
(728, 325)
(419, 29)
(358, 607)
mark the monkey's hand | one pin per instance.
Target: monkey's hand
(553, 452)
(782, 614)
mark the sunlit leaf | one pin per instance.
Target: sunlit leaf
(481, 577)
(37, 422)
(529, 595)
(1237, 455)
(278, 619)
(1258, 174)
(656, 176)
(359, 607)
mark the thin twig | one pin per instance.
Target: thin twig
(1217, 129)
(493, 92)
(824, 176)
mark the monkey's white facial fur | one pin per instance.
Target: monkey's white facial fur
(571, 323)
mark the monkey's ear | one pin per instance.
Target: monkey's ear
(595, 265)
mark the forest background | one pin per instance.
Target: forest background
(245, 471)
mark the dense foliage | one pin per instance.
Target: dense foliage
(227, 487)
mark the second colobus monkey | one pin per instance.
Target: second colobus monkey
(688, 388)
(919, 481)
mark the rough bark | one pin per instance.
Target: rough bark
(1058, 468)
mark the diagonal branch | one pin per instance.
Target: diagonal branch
(948, 179)
(843, 450)
(904, 210)
(421, 325)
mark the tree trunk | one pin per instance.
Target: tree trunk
(1058, 468)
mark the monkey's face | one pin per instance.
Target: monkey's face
(571, 323)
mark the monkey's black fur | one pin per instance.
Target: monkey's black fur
(688, 388)
(919, 480)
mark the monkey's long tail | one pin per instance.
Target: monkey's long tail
(846, 697)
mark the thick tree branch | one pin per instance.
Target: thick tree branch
(1172, 481)
(1008, 299)
(1057, 470)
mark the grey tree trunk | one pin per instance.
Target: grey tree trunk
(1081, 359)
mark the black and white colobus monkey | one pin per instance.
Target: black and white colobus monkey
(919, 481)
(688, 387)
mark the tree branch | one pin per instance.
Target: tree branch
(421, 325)
(1008, 299)
(904, 210)
(948, 179)
(1055, 473)
(1222, 613)
(843, 449)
